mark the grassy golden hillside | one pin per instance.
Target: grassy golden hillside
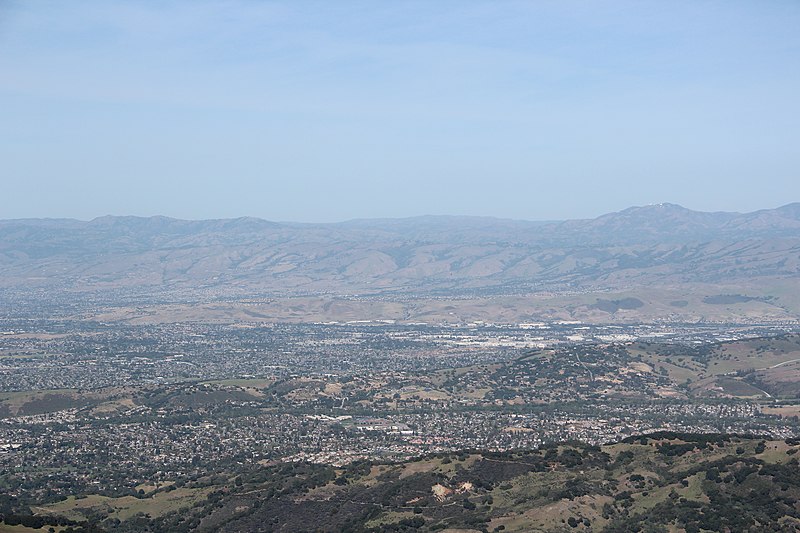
(661, 482)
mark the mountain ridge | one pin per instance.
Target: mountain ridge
(792, 208)
(638, 248)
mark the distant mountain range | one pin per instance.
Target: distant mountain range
(431, 256)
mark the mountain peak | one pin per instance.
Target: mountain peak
(664, 207)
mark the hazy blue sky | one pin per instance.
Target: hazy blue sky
(322, 111)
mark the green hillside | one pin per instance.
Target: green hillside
(662, 482)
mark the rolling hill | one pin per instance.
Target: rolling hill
(755, 255)
(659, 482)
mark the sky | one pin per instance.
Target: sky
(328, 111)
